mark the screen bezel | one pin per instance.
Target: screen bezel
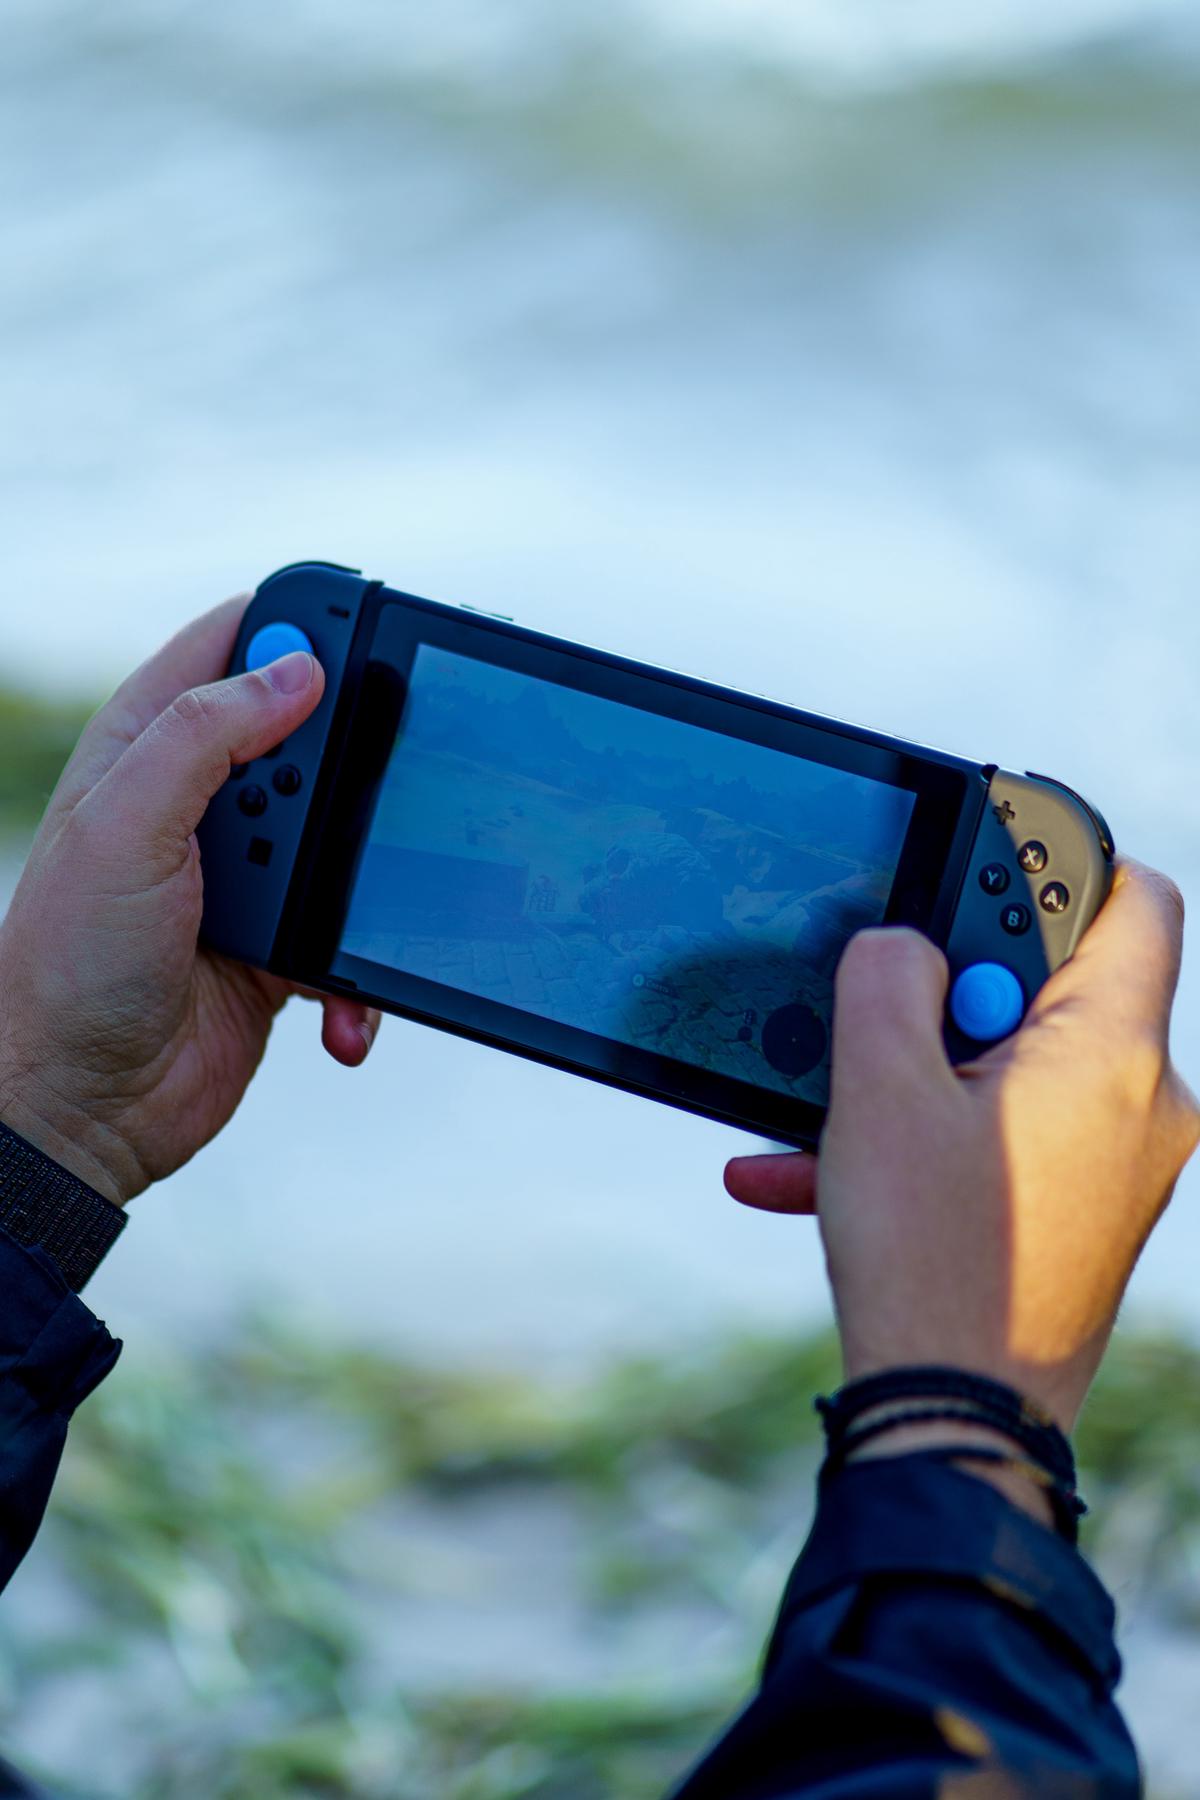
(392, 628)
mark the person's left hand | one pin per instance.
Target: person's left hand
(124, 1045)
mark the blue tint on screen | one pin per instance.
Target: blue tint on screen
(631, 875)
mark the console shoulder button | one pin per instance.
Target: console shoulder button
(1099, 822)
(987, 1002)
(273, 641)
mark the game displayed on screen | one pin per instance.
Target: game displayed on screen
(632, 875)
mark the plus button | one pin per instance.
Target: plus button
(1004, 812)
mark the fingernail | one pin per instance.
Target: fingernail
(292, 673)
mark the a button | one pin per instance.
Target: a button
(1054, 897)
(273, 641)
(252, 800)
(1032, 857)
(987, 1002)
(993, 878)
(286, 779)
(1016, 919)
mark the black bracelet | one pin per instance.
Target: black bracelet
(928, 1393)
(841, 1451)
(994, 1403)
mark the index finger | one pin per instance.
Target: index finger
(1126, 969)
(196, 655)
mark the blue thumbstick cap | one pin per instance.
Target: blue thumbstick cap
(987, 1002)
(270, 642)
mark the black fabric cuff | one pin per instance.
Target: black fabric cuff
(904, 1515)
(43, 1203)
(51, 1345)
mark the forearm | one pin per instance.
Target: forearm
(930, 1629)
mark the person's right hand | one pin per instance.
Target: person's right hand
(990, 1216)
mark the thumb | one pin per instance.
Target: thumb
(155, 794)
(888, 1009)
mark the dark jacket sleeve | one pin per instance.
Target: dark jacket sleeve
(934, 1640)
(53, 1352)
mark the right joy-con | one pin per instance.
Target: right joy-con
(1040, 870)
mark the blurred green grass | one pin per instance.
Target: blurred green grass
(37, 735)
(236, 1520)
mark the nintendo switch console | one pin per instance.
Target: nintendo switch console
(627, 873)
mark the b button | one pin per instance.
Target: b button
(1016, 919)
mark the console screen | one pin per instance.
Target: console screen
(635, 876)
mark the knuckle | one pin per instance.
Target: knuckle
(1141, 1069)
(195, 710)
(1164, 889)
(1187, 1115)
(1169, 892)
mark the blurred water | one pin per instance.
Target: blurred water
(843, 353)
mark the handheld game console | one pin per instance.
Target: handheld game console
(622, 871)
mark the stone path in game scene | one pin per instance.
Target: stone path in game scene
(578, 979)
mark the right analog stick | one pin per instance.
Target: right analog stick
(794, 1040)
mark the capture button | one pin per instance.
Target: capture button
(987, 1002)
(273, 641)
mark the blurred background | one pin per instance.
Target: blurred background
(845, 353)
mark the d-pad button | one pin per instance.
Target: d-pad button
(252, 800)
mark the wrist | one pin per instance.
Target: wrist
(1059, 1385)
(90, 1152)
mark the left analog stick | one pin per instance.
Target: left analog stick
(270, 642)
